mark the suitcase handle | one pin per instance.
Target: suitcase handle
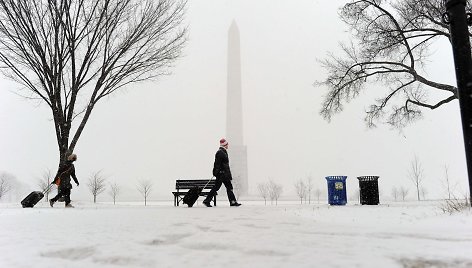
(208, 182)
(48, 189)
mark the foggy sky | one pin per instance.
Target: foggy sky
(169, 129)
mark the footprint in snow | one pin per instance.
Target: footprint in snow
(71, 253)
(167, 239)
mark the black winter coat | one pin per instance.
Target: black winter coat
(65, 172)
(221, 166)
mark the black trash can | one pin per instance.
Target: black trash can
(369, 190)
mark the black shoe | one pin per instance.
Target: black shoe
(235, 204)
(51, 203)
(207, 204)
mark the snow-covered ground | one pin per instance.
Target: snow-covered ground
(411, 234)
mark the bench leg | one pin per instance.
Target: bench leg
(214, 200)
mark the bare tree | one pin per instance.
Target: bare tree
(318, 194)
(96, 185)
(71, 54)
(446, 178)
(275, 190)
(45, 183)
(395, 193)
(416, 174)
(263, 190)
(114, 191)
(404, 192)
(144, 187)
(5, 183)
(424, 192)
(309, 187)
(390, 45)
(447, 183)
(300, 189)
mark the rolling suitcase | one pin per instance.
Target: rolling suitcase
(192, 195)
(33, 198)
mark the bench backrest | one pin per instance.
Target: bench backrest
(188, 184)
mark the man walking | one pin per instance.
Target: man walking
(223, 175)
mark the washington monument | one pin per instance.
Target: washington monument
(234, 115)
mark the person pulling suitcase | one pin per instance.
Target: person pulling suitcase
(223, 176)
(63, 181)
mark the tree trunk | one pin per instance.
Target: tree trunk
(62, 134)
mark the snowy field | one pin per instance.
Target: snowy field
(407, 234)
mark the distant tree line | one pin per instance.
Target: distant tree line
(271, 190)
(305, 190)
(97, 184)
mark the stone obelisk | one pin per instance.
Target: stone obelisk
(234, 116)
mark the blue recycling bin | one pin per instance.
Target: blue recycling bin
(337, 190)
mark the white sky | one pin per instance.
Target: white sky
(169, 129)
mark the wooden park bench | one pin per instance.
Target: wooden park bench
(182, 187)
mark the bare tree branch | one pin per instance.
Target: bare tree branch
(114, 191)
(263, 189)
(300, 189)
(391, 41)
(5, 183)
(404, 192)
(275, 190)
(72, 53)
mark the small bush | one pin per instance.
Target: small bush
(455, 205)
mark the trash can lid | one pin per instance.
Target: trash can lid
(336, 178)
(368, 178)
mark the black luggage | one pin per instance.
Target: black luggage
(32, 199)
(192, 195)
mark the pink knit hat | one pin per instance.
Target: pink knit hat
(223, 142)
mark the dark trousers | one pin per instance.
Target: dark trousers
(229, 189)
(62, 192)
